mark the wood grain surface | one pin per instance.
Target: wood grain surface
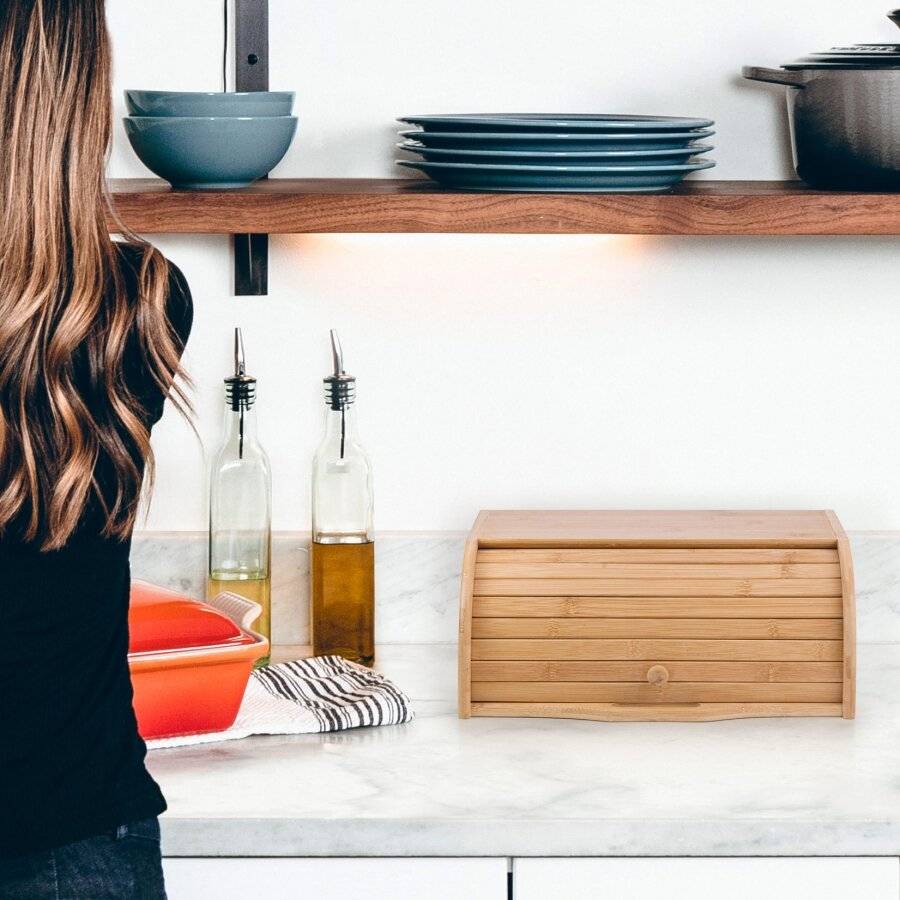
(659, 607)
(677, 692)
(763, 629)
(464, 674)
(656, 649)
(360, 205)
(849, 616)
(716, 529)
(657, 615)
(659, 587)
(656, 570)
(662, 555)
(679, 670)
(655, 712)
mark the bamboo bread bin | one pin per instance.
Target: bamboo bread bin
(657, 616)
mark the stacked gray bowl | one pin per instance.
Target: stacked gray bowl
(210, 140)
(550, 153)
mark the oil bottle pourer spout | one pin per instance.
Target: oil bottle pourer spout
(240, 366)
(337, 354)
(240, 388)
(340, 388)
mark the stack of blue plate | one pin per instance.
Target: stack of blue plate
(602, 153)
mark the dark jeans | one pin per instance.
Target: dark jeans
(124, 864)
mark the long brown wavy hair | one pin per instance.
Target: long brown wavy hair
(64, 305)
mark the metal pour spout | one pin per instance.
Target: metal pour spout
(240, 388)
(240, 367)
(337, 354)
(340, 388)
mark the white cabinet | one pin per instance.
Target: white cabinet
(336, 879)
(817, 878)
(876, 878)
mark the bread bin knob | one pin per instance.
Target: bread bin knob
(657, 675)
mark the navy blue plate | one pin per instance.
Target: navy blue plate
(600, 122)
(561, 157)
(466, 140)
(599, 179)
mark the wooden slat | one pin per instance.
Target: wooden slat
(613, 712)
(602, 670)
(574, 648)
(680, 692)
(753, 571)
(659, 607)
(765, 629)
(647, 528)
(659, 555)
(658, 587)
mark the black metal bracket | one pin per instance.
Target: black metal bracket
(251, 73)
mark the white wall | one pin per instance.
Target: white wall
(541, 371)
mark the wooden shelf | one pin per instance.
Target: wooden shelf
(362, 205)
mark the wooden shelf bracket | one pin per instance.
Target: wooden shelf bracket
(251, 73)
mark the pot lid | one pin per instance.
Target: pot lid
(855, 56)
(161, 621)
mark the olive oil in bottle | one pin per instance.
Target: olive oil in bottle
(342, 564)
(254, 585)
(240, 502)
(343, 590)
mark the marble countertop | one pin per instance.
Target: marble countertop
(529, 787)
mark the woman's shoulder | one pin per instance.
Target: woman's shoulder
(179, 303)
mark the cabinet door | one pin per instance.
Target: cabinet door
(689, 879)
(335, 879)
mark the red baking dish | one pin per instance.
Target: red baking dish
(190, 661)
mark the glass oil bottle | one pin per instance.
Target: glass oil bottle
(342, 564)
(240, 501)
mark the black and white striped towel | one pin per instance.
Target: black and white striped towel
(324, 693)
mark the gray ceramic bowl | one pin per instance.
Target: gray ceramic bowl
(209, 103)
(211, 152)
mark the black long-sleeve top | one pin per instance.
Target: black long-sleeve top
(71, 759)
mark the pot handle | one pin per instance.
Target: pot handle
(775, 76)
(241, 610)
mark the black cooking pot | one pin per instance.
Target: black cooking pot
(844, 111)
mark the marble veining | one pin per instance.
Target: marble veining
(519, 787)
(876, 563)
(417, 581)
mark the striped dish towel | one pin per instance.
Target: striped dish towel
(324, 693)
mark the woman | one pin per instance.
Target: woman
(91, 335)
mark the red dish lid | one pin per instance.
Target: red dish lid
(161, 620)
